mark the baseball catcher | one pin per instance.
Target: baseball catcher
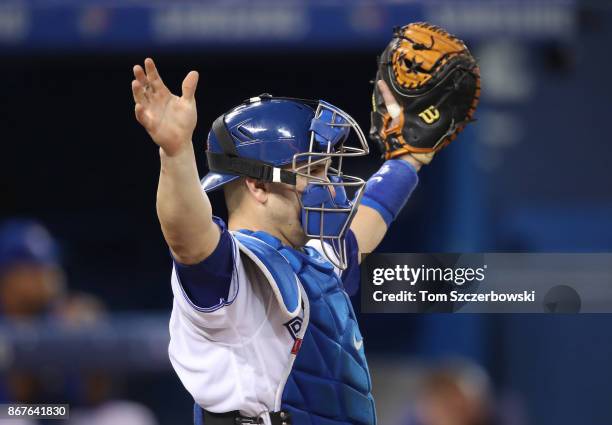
(262, 327)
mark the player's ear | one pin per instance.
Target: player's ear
(258, 189)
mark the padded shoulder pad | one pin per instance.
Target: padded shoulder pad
(277, 270)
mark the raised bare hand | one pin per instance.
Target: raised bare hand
(169, 119)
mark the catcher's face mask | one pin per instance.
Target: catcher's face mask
(265, 133)
(326, 213)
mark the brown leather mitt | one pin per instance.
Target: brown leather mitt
(436, 82)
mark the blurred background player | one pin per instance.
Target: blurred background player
(31, 279)
(33, 291)
(456, 393)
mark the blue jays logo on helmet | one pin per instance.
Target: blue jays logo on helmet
(264, 134)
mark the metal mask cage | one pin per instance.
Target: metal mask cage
(333, 246)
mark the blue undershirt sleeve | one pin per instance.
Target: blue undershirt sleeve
(207, 283)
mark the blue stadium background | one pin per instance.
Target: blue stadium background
(533, 175)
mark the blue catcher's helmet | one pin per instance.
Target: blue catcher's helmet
(265, 133)
(271, 131)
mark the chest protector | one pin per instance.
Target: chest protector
(327, 380)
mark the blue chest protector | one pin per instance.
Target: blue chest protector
(329, 383)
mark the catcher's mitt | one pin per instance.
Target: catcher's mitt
(436, 83)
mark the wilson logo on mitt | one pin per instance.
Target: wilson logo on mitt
(430, 115)
(436, 82)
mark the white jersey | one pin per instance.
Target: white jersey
(233, 356)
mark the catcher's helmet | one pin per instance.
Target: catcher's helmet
(263, 134)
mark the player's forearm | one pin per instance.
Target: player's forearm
(385, 195)
(184, 211)
(369, 229)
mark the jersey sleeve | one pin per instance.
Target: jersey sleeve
(207, 284)
(219, 305)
